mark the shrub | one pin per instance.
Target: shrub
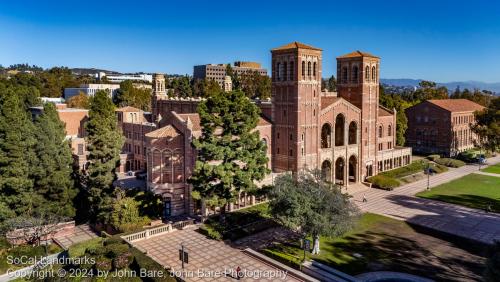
(414, 167)
(78, 249)
(210, 232)
(450, 162)
(96, 251)
(116, 250)
(123, 260)
(142, 261)
(103, 263)
(433, 157)
(113, 240)
(125, 215)
(384, 182)
(437, 168)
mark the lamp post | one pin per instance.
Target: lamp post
(428, 175)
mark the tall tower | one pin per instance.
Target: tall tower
(159, 93)
(358, 83)
(296, 87)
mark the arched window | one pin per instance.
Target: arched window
(353, 133)
(278, 71)
(308, 68)
(326, 136)
(314, 69)
(344, 74)
(285, 71)
(303, 69)
(291, 71)
(389, 130)
(374, 73)
(339, 130)
(380, 131)
(355, 74)
(367, 73)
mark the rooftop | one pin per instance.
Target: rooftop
(296, 45)
(457, 105)
(128, 109)
(383, 112)
(166, 131)
(358, 53)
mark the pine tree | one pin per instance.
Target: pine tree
(53, 165)
(231, 155)
(16, 156)
(104, 145)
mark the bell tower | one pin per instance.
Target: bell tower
(358, 83)
(159, 93)
(296, 89)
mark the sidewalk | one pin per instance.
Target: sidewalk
(449, 218)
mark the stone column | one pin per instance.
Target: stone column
(252, 200)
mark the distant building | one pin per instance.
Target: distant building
(117, 78)
(74, 121)
(52, 100)
(91, 89)
(218, 73)
(442, 126)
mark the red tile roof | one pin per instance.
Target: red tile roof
(457, 105)
(382, 112)
(358, 54)
(296, 45)
(327, 101)
(166, 131)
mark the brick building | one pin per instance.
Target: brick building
(442, 126)
(348, 136)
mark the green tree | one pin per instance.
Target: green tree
(53, 164)
(488, 126)
(331, 84)
(205, 88)
(125, 215)
(104, 145)
(129, 95)
(181, 86)
(16, 155)
(80, 101)
(429, 90)
(231, 156)
(308, 204)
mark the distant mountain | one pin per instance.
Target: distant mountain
(495, 87)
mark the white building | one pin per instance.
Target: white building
(117, 78)
(91, 89)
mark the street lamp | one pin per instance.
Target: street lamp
(428, 175)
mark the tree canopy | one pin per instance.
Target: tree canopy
(488, 126)
(129, 95)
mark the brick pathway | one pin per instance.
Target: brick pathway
(449, 218)
(206, 257)
(81, 233)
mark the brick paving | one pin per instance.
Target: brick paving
(81, 233)
(449, 218)
(205, 257)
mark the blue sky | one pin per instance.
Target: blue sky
(436, 40)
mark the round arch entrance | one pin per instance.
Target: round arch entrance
(353, 169)
(326, 170)
(339, 171)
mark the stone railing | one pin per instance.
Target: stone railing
(162, 229)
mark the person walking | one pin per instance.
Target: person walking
(238, 272)
(364, 198)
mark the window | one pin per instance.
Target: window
(380, 146)
(278, 71)
(389, 130)
(344, 74)
(278, 150)
(284, 113)
(291, 71)
(355, 74)
(291, 153)
(303, 69)
(314, 69)
(374, 74)
(380, 131)
(278, 135)
(308, 68)
(367, 73)
(291, 136)
(285, 71)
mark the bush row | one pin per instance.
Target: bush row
(384, 182)
(414, 167)
(450, 162)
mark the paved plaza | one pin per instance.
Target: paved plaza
(209, 260)
(449, 218)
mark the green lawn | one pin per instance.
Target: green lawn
(492, 169)
(473, 190)
(380, 243)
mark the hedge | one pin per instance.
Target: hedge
(437, 168)
(433, 157)
(450, 162)
(210, 232)
(384, 182)
(142, 261)
(414, 167)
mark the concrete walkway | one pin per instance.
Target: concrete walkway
(488, 173)
(449, 218)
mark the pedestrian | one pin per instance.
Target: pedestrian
(364, 198)
(238, 272)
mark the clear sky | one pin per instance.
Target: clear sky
(440, 40)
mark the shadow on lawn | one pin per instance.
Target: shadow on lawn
(381, 251)
(473, 201)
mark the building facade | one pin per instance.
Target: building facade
(442, 126)
(91, 89)
(347, 135)
(218, 72)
